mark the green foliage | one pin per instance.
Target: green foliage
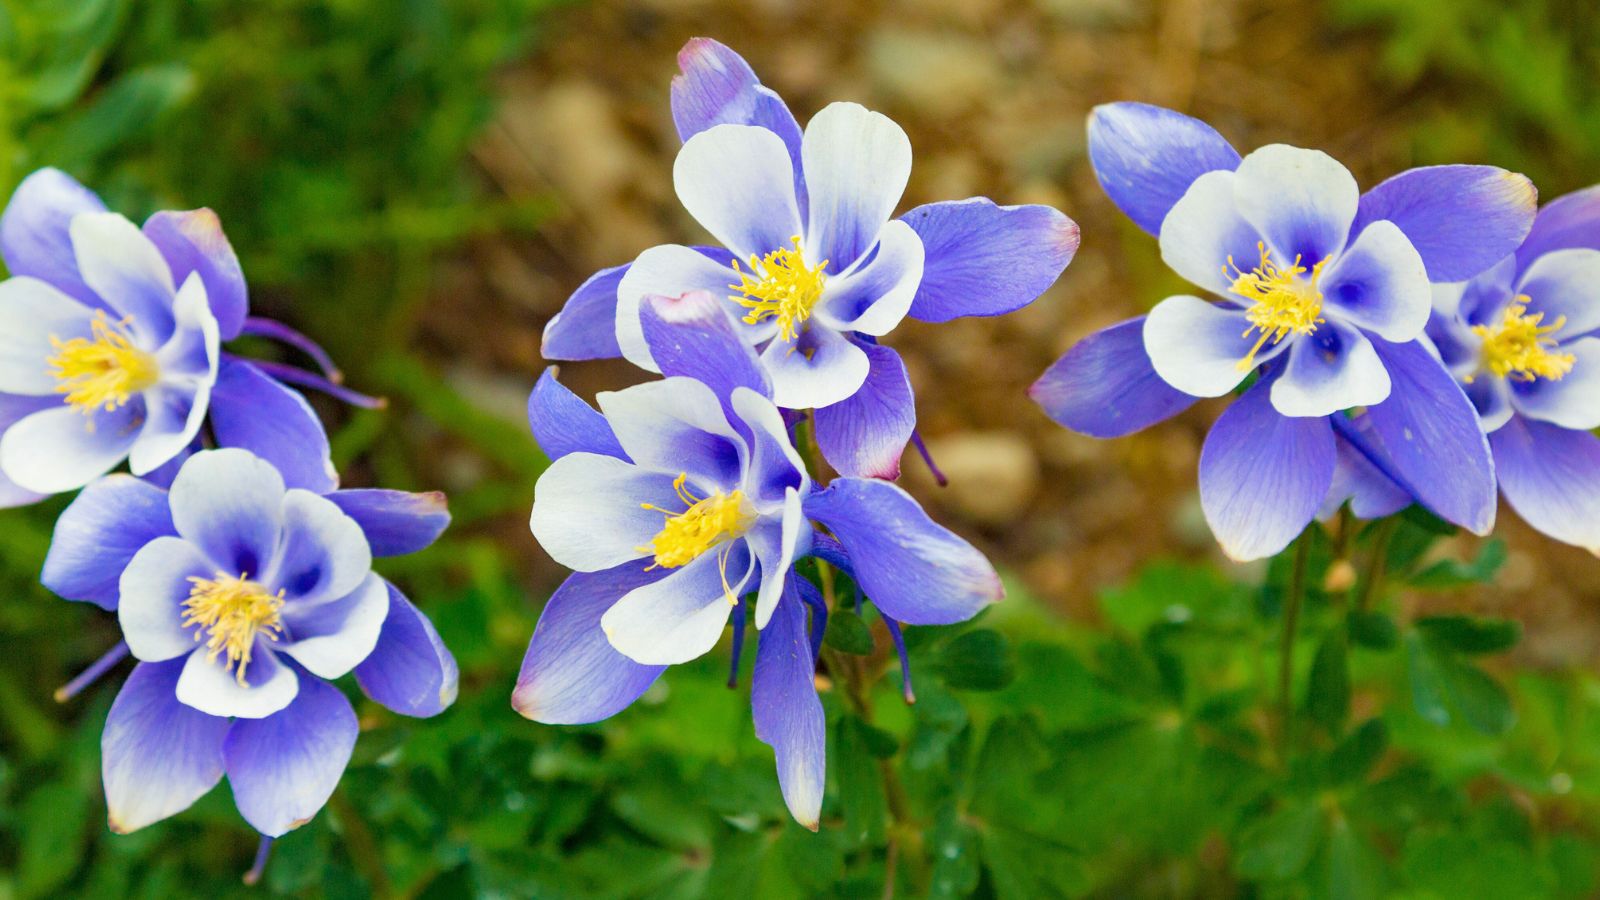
(1524, 78)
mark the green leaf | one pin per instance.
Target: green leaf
(847, 633)
(1466, 634)
(52, 844)
(860, 781)
(1328, 694)
(953, 845)
(130, 109)
(978, 660)
(1450, 573)
(1444, 686)
(1374, 630)
(1355, 756)
(1279, 846)
(1356, 870)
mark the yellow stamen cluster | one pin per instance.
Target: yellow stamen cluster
(104, 371)
(1519, 346)
(781, 285)
(1283, 303)
(230, 613)
(708, 522)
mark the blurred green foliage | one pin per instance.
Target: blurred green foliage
(1147, 756)
(1512, 84)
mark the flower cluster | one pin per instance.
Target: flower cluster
(683, 504)
(240, 573)
(1370, 372)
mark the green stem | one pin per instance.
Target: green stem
(1383, 533)
(1291, 621)
(362, 846)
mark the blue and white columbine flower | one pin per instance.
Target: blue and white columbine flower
(239, 596)
(111, 348)
(683, 496)
(815, 268)
(1524, 340)
(1321, 291)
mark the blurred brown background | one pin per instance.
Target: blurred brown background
(994, 95)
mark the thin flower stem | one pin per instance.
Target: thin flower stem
(360, 843)
(1291, 621)
(92, 674)
(259, 867)
(1382, 535)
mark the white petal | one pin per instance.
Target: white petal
(31, 314)
(738, 183)
(683, 615)
(151, 594)
(588, 510)
(875, 295)
(61, 449)
(1565, 284)
(672, 270)
(1204, 234)
(857, 163)
(209, 686)
(1302, 201)
(1380, 284)
(821, 368)
(127, 271)
(332, 638)
(1574, 400)
(1196, 346)
(1332, 369)
(676, 425)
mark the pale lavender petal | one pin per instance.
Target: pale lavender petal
(61, 449)
(738, 183)
(676, 425)
(1570, 402)
(151, 592)
(673, 270)
(1461, 219)
(864, 434)
(283, 768)
(822, 367)
(1565, 285)
(157, 756)
(192, 242)
(1380, 285)
(1106, 387)
(1551, 477)
(322, 554)
(34, 317)
(1263, 475)
(1429, 432)
(681, 616)
(1205, 238)
(395, 522)
(333, 637)
(34, 236)
(915, 570)
(253, 411)
(857, 163)
(1571, 220)
(1146, 157)
(127, 271)
(1301, 201)
(788, 713)
(874, 295)
(229, 504)
(270, 685)
(98, 535)
(693, 335)
(410, 671)
(571, 674)
(1332, 369)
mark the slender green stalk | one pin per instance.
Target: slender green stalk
(1383, 533)
(1291, 621)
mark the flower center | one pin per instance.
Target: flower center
(782, 285)
(1519, 346)
(103, 371)
(708, 522)
(1282, 302)
(230, 612)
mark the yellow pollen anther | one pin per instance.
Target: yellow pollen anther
(1283, 303)
(104, 371)
(230, 613)
(781, 285)
(1519, 346)
(708, 522)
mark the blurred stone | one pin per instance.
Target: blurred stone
(939, 73)
(1095, 13)
(993, 474)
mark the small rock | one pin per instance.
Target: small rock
(993, 474)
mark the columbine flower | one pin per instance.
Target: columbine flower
(1523, 339)
(678, 499)
(1321, 291)
(239, 596)
(815, 269)
(112, 348)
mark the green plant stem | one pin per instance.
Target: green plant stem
(360, 843)
(1383, 532)
(1291, 621)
